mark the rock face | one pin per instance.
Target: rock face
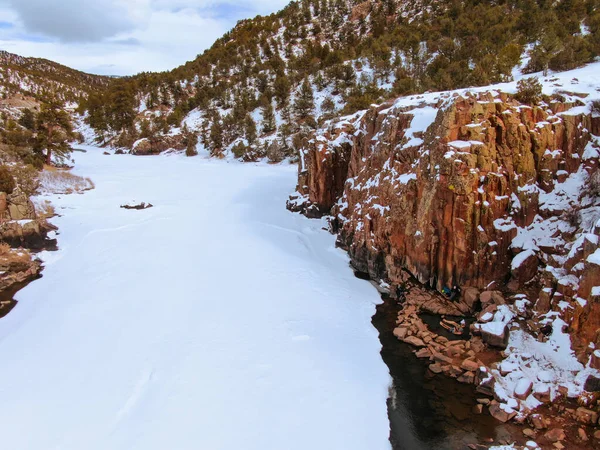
(475, 190)
(154, 146)
(16, 206)
(436, 199)
(19, 223)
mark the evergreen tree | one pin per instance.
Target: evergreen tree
(216, 135)
(121, 109)
(328, 105)
(250, 129)
(54, 131)
(282, 90)
(268, 115)
(304, 104)
(27, 119)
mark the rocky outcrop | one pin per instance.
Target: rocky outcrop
(158, 144)
(485, 193)
(20, 225)
(442, 200)
(476, 190)
(17, 267)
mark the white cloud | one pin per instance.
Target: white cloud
(121, 37)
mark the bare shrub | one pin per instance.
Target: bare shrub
(63, 182)
(573, 217)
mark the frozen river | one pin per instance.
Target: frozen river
(214, 320)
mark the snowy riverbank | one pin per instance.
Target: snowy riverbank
(215, 319)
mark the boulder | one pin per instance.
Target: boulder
(555, 435)
(400, 332)
(586, 416)
(439, 357)
(502, 412)
(470, 297)
(413, 340)
(495, 334)
(524, 267)
(467, 378)
(435, 368)
(537, 421)
(491, 298)
(486, 386)
(542, 394)
(423, 353)
(592, 384)
(19, 206)
(523, 388)
(469, 365)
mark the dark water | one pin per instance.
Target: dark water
(431, 412)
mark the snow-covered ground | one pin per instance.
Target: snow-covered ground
(214, 320)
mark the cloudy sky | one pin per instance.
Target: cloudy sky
(121, 37)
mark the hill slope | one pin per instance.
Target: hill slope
(40, 78)
(272, 77)
(472, 188)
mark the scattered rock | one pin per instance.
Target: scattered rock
(501, 412)
(592, 384)
(400, 332)
(491, 298)
(435, 368)
(529, 432)
(423, 353)
(469, 365)
(467, 378)
(495, 334)
(537, 421)
(555, 435)
(582, 435)
(523, 388)
(142, 205)
(587, 416)
(471, 297)
(542, 394)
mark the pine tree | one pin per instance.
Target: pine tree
(328, 105)
(54, 131)
(216, 135)
(122, 107)
(27, 119)
(268, 115)
(282, 89)
(250, 129)
(304, 104)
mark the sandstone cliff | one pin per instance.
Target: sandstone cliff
(472, 189)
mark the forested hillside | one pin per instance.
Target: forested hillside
(43, 79)
(271, 77)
